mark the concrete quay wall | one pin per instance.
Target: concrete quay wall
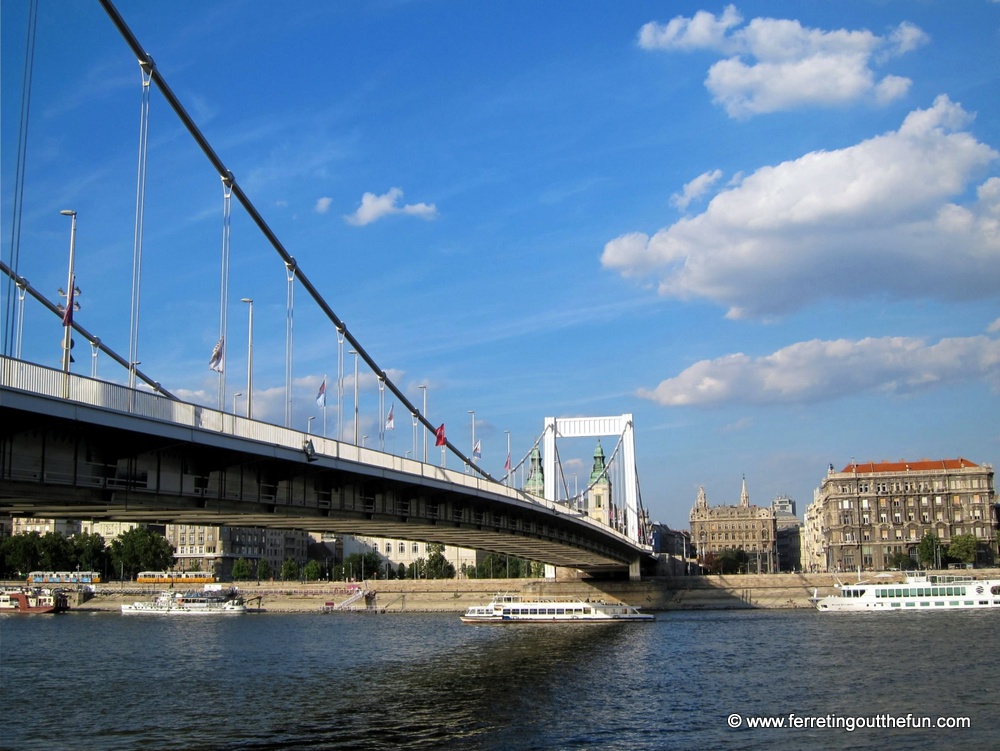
(455, 595)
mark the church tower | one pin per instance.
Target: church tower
(599, 497)
(744, 495)
(535, 484)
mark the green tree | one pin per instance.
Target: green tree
(438, 567)
(927, 550)
(734, 560)
(963, 548)
(900, 560)
(90, 551)
(289, 570)
(56, 552)
(22, 553)
(312, 571)
(362, 566)
(711, 563)
(263, 569)
(241, 570)
(140, 549)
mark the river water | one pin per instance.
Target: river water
(425, 681)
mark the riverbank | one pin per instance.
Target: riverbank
(768, 591)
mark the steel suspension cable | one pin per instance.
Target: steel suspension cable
(140, 210)
(12, 322)
(265, 229)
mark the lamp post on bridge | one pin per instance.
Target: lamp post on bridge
(70, 289)
(424, 413)
(249, 302)
(472, 454)
(235, 397)
(356, 428)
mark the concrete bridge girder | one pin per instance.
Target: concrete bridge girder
(154, 471)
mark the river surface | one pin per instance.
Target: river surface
(425, 681)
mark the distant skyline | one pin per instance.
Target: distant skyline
(769, 231)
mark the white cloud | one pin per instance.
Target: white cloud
(818, 370)
(695, 189)
(323, 205)
(777, 64)
(874, 218)
(375, 207)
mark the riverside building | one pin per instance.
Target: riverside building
(866, 514)
(750, 528)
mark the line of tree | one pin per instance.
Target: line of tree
(138, 549)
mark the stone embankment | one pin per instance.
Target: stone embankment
(455, 595)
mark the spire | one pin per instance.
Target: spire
(535, 484)
(599, 472)
(744, 495)
(702, 501)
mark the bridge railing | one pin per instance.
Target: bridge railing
(71, 387)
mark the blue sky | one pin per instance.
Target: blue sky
(767, 230)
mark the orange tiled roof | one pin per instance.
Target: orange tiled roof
(922, 465)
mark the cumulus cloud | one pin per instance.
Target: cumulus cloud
(777, 64)
(818, 370)
(695, 189)
(323, 205)
(375, 207)
(876, 218)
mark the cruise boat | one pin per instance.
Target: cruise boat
(33, 600)
(506, 608)
(917, 592)
(208, 602)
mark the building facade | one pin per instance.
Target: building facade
(869, 513)
(746, 527)
(216, 549)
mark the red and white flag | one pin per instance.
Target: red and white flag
(439, 433)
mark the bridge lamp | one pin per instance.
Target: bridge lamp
(424, 413)
(309, 423)
(473, 452)
(70, 282)
(235, 397)
(356, 428)
(249, 301)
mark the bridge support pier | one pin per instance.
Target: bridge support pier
(634, 573)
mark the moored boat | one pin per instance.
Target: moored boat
(917, 592)
(33, 600)
(507, 608)
(207, 602)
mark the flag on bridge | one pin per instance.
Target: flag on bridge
(218, 356)
(439, 433)
(506, 466)
(390, 421)
(321, 396)
(68, 313)
(477, 451)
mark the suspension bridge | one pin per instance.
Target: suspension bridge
(75, 446)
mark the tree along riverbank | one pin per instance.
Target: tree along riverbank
(455, 595)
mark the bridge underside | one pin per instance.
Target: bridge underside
(80, 462)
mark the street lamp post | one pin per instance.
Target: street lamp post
(424, 413)
(235, 397)
(249, 302)
(309, 424)
(356, 427)
(472, 455)
(70, 284)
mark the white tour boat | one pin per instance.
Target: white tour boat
(208, 602)
(917, 592)
(506, 608)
